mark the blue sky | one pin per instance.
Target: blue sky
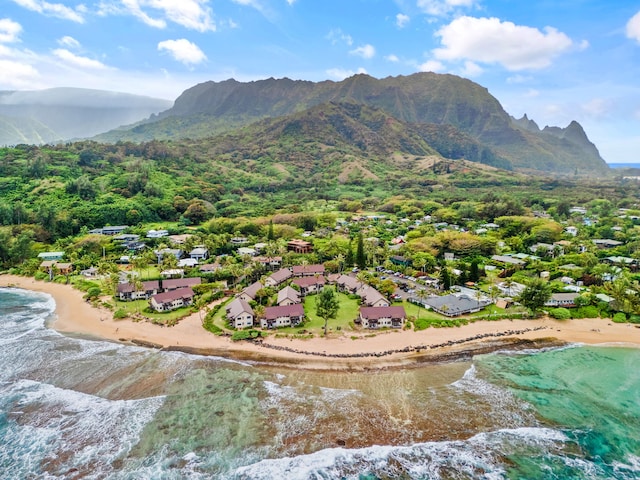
(556, 60)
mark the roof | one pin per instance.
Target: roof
(289, 293)
(454, 305)
(146, 286)
(252, 289)
(173, 283)
(370, 295)
(238, 307)
(376, 313)
(308, 281)
(281, 275)
(349, 282)
(566, 297)
(506, 259)
(308, 269)
(167, 297)
(295, 310)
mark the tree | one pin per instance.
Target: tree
(361, 259)
(535, 294)
(445, 278)
(327, 306)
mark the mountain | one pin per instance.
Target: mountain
(57, 114)
(419, 99)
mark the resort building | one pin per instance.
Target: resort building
(282, 316)
(167, 301)
(380, 317)
(240, 314)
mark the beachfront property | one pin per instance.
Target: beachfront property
(128, 291)
(278, 278)
(380, 317)
(566, 300)
(282, 316)
(455, 305)
(249, 293)
(372, 297)
(288, 296)
(240, 314)
(167, 301)
(309, 285)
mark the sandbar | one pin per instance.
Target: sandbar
(344, 350)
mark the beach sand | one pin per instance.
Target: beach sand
(75, 316)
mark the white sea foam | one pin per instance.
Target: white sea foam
(478, 457)
(92, 431)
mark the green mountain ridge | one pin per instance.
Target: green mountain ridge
(211, 108)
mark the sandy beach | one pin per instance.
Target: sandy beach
(74, 316)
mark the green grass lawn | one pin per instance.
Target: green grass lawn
(348, 312)
(138, 307)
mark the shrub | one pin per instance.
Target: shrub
(93, 292)
(589, 312)
(421, 324)
(560, 313)
(245, 335)
(120, 314)
(620, 317)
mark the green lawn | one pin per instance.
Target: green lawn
(138, 307)
(348, 312)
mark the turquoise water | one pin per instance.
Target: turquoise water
(72, 408)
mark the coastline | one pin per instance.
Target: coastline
(75, 316)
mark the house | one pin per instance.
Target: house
(172, 273)
(91, 272)
(455, 305)
(210, 267)
(126, 237)
(372, 297)
(239, 241)
(51, 266)
(64, 268)
(240, 314)
(282, 316)
(348, 284)
(562, 300)
(379, 317)
(160, 254)
(250, 292)
(177, 283)
(128, 291)
(309, 285)
(308, 270)
(180, 239)
(199, 253)
(603, 243)
(270, 263)
(157, 233)
(167, 301)
(510, 288)
(288, 296)
(51, 256)
(547, 249)
(242, 251)
(300, 246)
(507, 260)
(279, 277)
(187, 262)
(114, 230)
(571, 230)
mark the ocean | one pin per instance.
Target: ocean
(78, 408)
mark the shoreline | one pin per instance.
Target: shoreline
(392, 348)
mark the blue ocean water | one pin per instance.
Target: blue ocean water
(73, 408)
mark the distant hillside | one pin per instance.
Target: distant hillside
(423, 98)
(36, 117)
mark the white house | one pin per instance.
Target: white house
(157, 233)
(240, 314)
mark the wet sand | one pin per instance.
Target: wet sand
(75, 316)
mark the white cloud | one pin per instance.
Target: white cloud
(402, 20)
(57, 10)
(183, 51)
(597, 107)
(439, 8)
(191, 14)
(431, 66)
(532, 93)
(633, 27)
(69, 42)
(488, 40)
(364, 51)
(392, 58)
(9, 30)
(18, 75)
(291, 2)
(78, 61)
(341, 74)
(336, 35)
(471, 69)
(515, 79)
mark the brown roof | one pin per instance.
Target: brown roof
(146, 286)
(376, 313)
(295, 310)
(281, 275)
(173, 283)
(252, 289)
(167, 297)
(308, 269)
(238, 307)
(308, 281)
